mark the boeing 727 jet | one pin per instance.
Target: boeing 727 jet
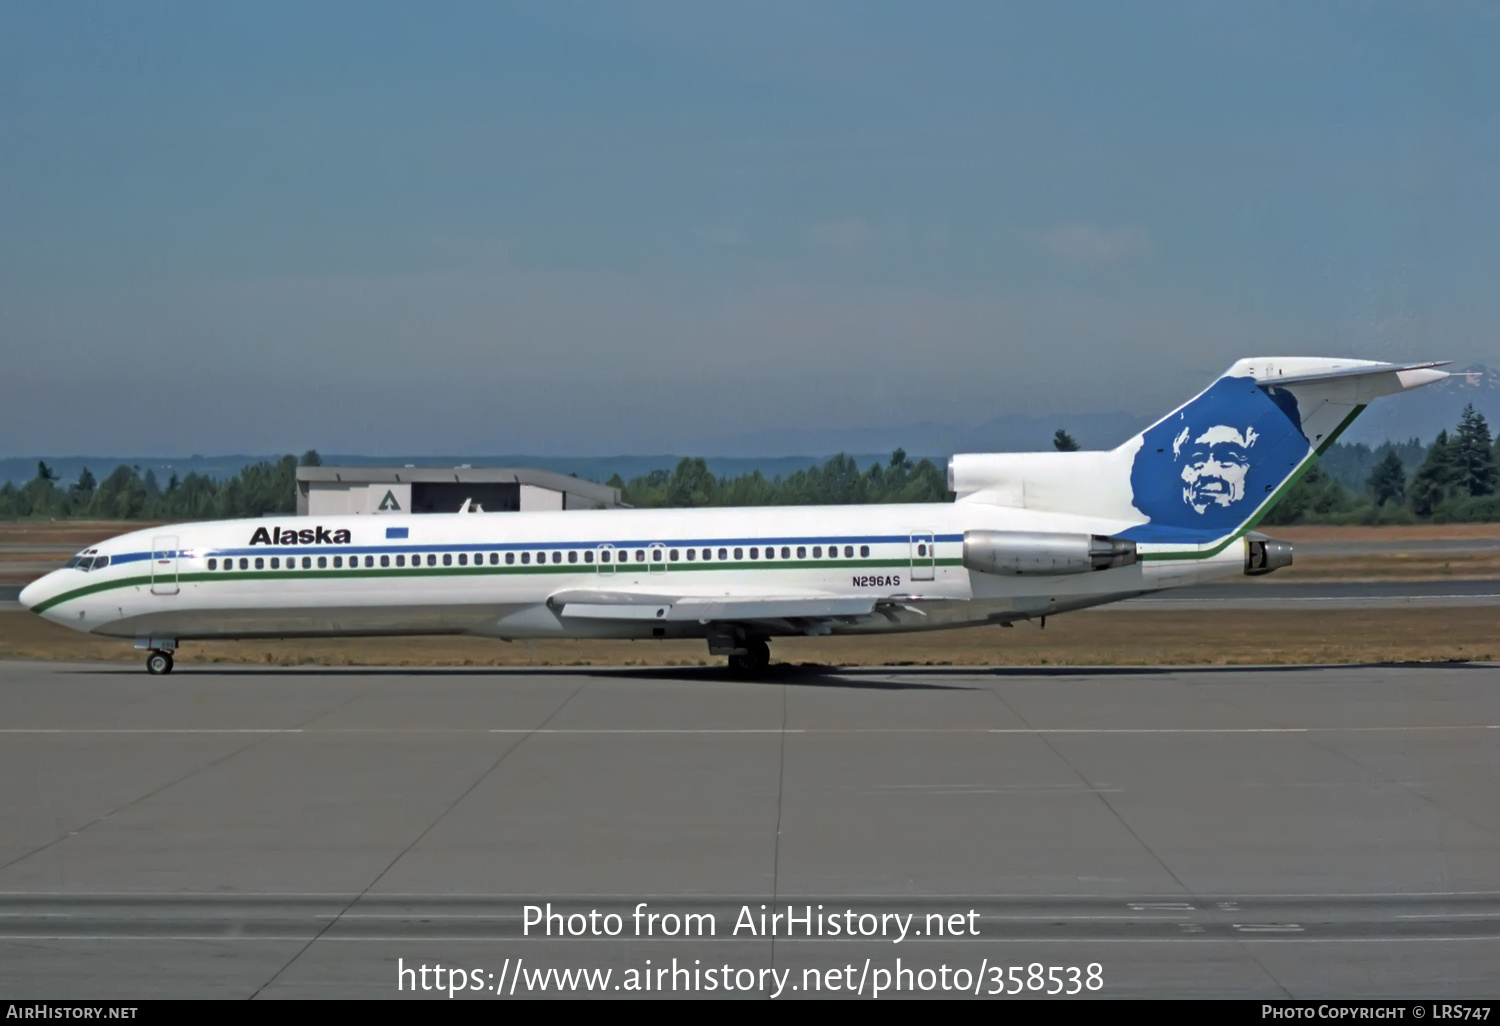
(1030, 535)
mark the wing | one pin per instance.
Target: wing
(789, 612)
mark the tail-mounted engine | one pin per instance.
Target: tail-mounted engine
(1042, 554)
(1262, 554)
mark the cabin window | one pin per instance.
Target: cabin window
(322, 562)
(848, 551)
(213, 564)
(739, 553)
(275, 562)
(557, 557)
(228, 564)
(640, 555)
(541, 557)
(754, 552)
(463, 559)
(369, 561)
(338, 562)
(801, 551)
(921, 549)
(385, 560)
(692, 554)
(604, 555)
(431, 559)
(510, 558)
(786, 552)
(525, 557)
(817, 552)
(244, 563)
(400, 561)
(572, 555)
(672, 555)
(494, 559)
(588, 556)
(864, 550)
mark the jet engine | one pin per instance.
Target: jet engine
(1042, 553)
(1262, 554)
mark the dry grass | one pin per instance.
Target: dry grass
(70, 535)
(1091, 638)
(1413, 532)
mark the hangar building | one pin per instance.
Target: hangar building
(329, 491)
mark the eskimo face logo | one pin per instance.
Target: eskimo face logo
(1214, 465)
(1207, 466)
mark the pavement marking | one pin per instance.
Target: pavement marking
(744, 730)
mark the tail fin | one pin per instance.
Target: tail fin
(1219, 462)
(1209, 469)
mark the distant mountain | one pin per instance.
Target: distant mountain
(1420, 414)
(1423, 413)
(1015, 433)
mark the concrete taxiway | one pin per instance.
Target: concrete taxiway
(237, 831)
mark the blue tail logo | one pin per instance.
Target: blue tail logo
(1210, 465)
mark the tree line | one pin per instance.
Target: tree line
(1455, 481)
(1456, 478)
(269, 486)
(838, 481)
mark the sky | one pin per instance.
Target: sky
(598, 228)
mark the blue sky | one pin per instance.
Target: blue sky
(587, 227)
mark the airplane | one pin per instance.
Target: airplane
(1029, 535)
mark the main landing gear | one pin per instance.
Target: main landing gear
(754, 660)
(158, 663)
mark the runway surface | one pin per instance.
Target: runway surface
(236, 831)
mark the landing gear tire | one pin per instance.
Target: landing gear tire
(158, 663)
(755, 660)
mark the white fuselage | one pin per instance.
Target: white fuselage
(501, 574)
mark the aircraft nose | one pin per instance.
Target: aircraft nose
(36, 592)
(30, 595)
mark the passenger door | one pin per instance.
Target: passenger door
(164, 565)
(923, 557)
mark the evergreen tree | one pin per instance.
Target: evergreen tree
(692, 484)
(1435, 479)
(1064, 442)
(1387, 481)
(83, 488)
(1475, 462)
(311, 458)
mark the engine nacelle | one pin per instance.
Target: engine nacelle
(1039, 553)
(1262, 554)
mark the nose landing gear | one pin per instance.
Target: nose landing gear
(161, 649)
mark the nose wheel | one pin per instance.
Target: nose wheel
(158, 663)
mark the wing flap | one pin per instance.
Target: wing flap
(636, 606)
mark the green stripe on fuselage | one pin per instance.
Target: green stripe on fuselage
(211, 576)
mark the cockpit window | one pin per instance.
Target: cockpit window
(86, 560)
